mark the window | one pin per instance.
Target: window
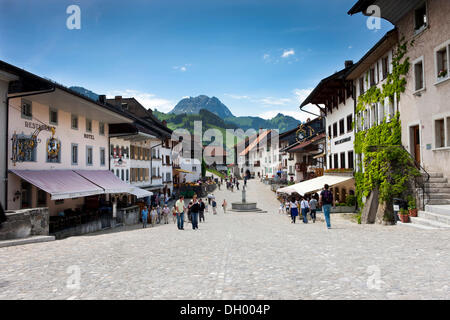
(418, 75)
(53, 116)
(74, 154)
(89, 156)
(336, 164)
(74, 122)
(330, 163)
(439, 133)
(103, 157)
(26, 109)
(361, 86)
(350, 160)
(372, 76)
(343, 160)
(420, 15)
(194, 169)
(101, 128)
(341, 127)
(41, 198)
(29, 154)
(335, 130)
(122, 175)
(329, 131)
(168, 177)
(385, 67)
(88, 125)
(442, 62)
(349, 123)
(127, 175)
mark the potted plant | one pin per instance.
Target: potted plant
(412, 208)
(404, 215)
(442, 74)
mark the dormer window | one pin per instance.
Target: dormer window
(421, 19)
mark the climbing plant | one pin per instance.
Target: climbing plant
(386, 165)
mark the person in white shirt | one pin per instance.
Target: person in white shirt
(305, 208)
(294, 209)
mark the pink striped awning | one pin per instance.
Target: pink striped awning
(106, 180)
(60, 184)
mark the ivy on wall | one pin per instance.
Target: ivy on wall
(384, 167)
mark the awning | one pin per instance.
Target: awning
(141, 193)
(106, 180)
(60, 184)
(314, 185)
(183, 171)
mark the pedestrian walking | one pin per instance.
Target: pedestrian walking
(174, 214)
(165, 214)
(214, 206)
(313, 208)
(224, 206)
(144, 216)
(325, 201)
(189, 212)
(201, 210)
(245, 181)
(194, 208)
(237, 184)
(158, 211)
(281, 210)
(179, 205)
(294, 209)
(154, 216)
(305, 209)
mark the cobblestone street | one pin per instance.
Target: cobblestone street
(235, 256)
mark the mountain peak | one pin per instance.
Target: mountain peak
(193, 105)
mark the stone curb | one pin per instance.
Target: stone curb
(17, 242)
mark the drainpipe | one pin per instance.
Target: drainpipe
(7, 136)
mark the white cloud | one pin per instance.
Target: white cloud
(182, 68)
(275, 101)
(148, 100)
(302, 94)
(287, 53)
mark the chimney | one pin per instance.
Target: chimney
(102, 98)
(118, 101)
(348, 63)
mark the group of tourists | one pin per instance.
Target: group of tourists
(158, 215)
(295, 205)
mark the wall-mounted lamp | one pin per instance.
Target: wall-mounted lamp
(16, 195)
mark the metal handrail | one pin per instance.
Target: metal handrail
(417, 165)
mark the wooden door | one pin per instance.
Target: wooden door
(416, 143)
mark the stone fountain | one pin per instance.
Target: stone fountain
(244, 206)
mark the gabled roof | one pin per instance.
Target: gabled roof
(391, 10)
(30, 82)
(326, 85)
(379, 49)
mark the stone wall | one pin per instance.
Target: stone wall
(128, 216)
(25, 223)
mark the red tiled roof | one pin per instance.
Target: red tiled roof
(307, 143)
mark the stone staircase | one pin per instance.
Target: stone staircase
(437, 204)
(437, 190)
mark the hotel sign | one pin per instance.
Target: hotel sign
(343, 141)
(89, 136)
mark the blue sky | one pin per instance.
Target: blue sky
(259, 57)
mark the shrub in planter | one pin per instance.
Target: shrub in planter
(412, 206)
(404, 215)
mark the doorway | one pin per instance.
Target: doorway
(415, 142)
